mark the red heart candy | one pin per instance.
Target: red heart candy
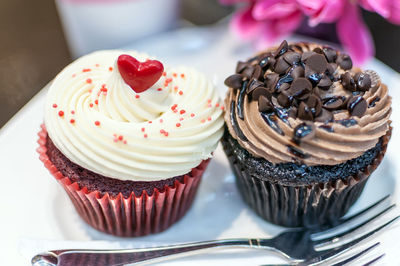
(139, 75)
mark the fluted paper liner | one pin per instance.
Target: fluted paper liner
(132, 216)
(294, 206)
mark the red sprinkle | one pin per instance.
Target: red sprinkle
(73, 112)
(168, 80)
(182, 75)
(173, 107)
(90, 104)
(162, 131)
(73, 75)
(217, 105)
(178, 124)
(54, 105)
(192, 115)
(182, 112)
(110, 69)
(124, 142)
(60, 113)
(72, 121)
(86, 70)
(209, 101)
(181, 119)
(120, 137)
(222, 107)
(143, 129)
(159, 89)
(176, 88)
(96, 101)
(209, 118)
(203, 121)
(137, 96)
(161, 120)
(97, 123)
(97, 65)
(180, 92)
(89, 81)
(174, 75)
(166, 134)
(164, 73)
(145, 135)
(150, 122)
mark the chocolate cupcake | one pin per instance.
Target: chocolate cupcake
(129, 140)
(304, 131)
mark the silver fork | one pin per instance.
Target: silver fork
(299, 246)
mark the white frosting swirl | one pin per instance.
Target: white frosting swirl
(98, 122)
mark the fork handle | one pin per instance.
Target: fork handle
(124, 256)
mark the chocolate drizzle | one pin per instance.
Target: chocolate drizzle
(234, 123)
(272, 121)
(241, 100)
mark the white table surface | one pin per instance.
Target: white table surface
(36, 214)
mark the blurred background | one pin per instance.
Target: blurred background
(34, 47)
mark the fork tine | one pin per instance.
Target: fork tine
(337, 237)
(374, 260)
(334, 252)
(356, 256)
(357, 214)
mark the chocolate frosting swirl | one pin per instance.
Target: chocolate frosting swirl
(305, 103)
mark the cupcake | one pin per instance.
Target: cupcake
(129, 140)
(304, 131)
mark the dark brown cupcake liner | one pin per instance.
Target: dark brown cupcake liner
(297, 205)
(145, 214)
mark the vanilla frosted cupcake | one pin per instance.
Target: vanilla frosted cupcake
(304, 132)
(130, 140)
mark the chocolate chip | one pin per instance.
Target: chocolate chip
(330, 54)
(267, 62)
(375, 79)
(254, 83)
(317, 62)
(255, 95)
(357, 106)
(348, 82)
(293, 112)
(344, 61)
(234, 81)
(324, 117)
(333, 103)
(318, 50)
(248, 71)
(283, 47)
(292, 57)
(271, 80)
(300, 88)
(264, 104)
(241, 66)
(281, 66)
(297, 72)
(314, 104)
(363, 81)
(373, 102)
(284, 87)
(332, 68)
(304, 112)
(284, 99)
(325, 83)
(306, 55)
(312, 76)
(304, 131)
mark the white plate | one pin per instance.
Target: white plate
(37, 215)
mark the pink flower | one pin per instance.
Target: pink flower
(266, 20)
(326, 11)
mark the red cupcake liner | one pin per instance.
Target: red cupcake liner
(141, 215)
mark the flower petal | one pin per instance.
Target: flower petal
(310, 7)
(354, 35)
(329, 13)
(382, 7)
(395, 12)
(244, 25)
(273, 9)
